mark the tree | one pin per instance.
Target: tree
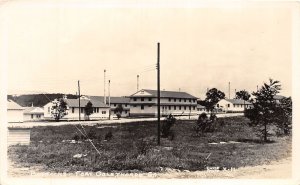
(88, 109)
(213, 96)
(58, 109)
(243, 95)
(266, 111)
(284, 116)
(119, 109)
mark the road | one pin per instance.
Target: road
(122, 120)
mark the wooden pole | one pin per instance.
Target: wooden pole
(109, 98)
(79, 100)
(104, 89)
(158, 94)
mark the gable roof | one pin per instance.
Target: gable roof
(237, 101)
(11, 105)
(113, 99)
(83, 102)
(166, 94)
(33, 110)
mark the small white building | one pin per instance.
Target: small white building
(100, 110)
(233, 105)
(14, 112)
(144, 103)
(33, 114)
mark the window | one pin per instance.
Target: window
(190, 108)
(218, 105)
(174, 99)
(175, 107)
(169, 99)
(134, 105)
(31, 116)
(104, 112)
(228, 105)
(184, 100)
(179, 99)
(193, 108)
(233, 105)
(142, 107)
(179, 107)
(169, 107)
(190, 100)
(72, 109)
(142, 99)
(115, 105)
(134, 99)
(150, 99)
(97, 109)
(149, 105)
(184, 107)
(125, 111)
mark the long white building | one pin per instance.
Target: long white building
(144, 103)
(100, 110)
(233, 105)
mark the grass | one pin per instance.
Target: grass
(132, 148)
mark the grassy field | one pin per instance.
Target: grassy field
(132, 148)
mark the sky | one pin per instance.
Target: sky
(50, 46)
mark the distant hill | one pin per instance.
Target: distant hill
(38, 100)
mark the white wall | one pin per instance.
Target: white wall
(27, 117)
(14, 116)
(232, 107)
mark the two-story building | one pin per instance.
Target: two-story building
(233, 105)
(114, 103)
(100, 110)
(144, 103)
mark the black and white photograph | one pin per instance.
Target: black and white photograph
(136, 91)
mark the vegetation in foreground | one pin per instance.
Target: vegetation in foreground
(131, 147)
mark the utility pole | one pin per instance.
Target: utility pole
(158, 95)
(137, 82)
(229, 90)
(104, 88)
(109, 96)
(79, 100)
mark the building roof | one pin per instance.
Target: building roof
(113, 99)
(83, 102)
(11, 105)
(165, 94)
(238, 101)
(33, 110)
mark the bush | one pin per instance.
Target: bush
(166, 127)
(76, 137)
(91, 134)
(108, 136)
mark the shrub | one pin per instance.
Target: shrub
(76, 137)
(108, 136)
(166, 127)
(91, 134)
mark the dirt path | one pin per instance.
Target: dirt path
(278, 169)
(122, 120)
